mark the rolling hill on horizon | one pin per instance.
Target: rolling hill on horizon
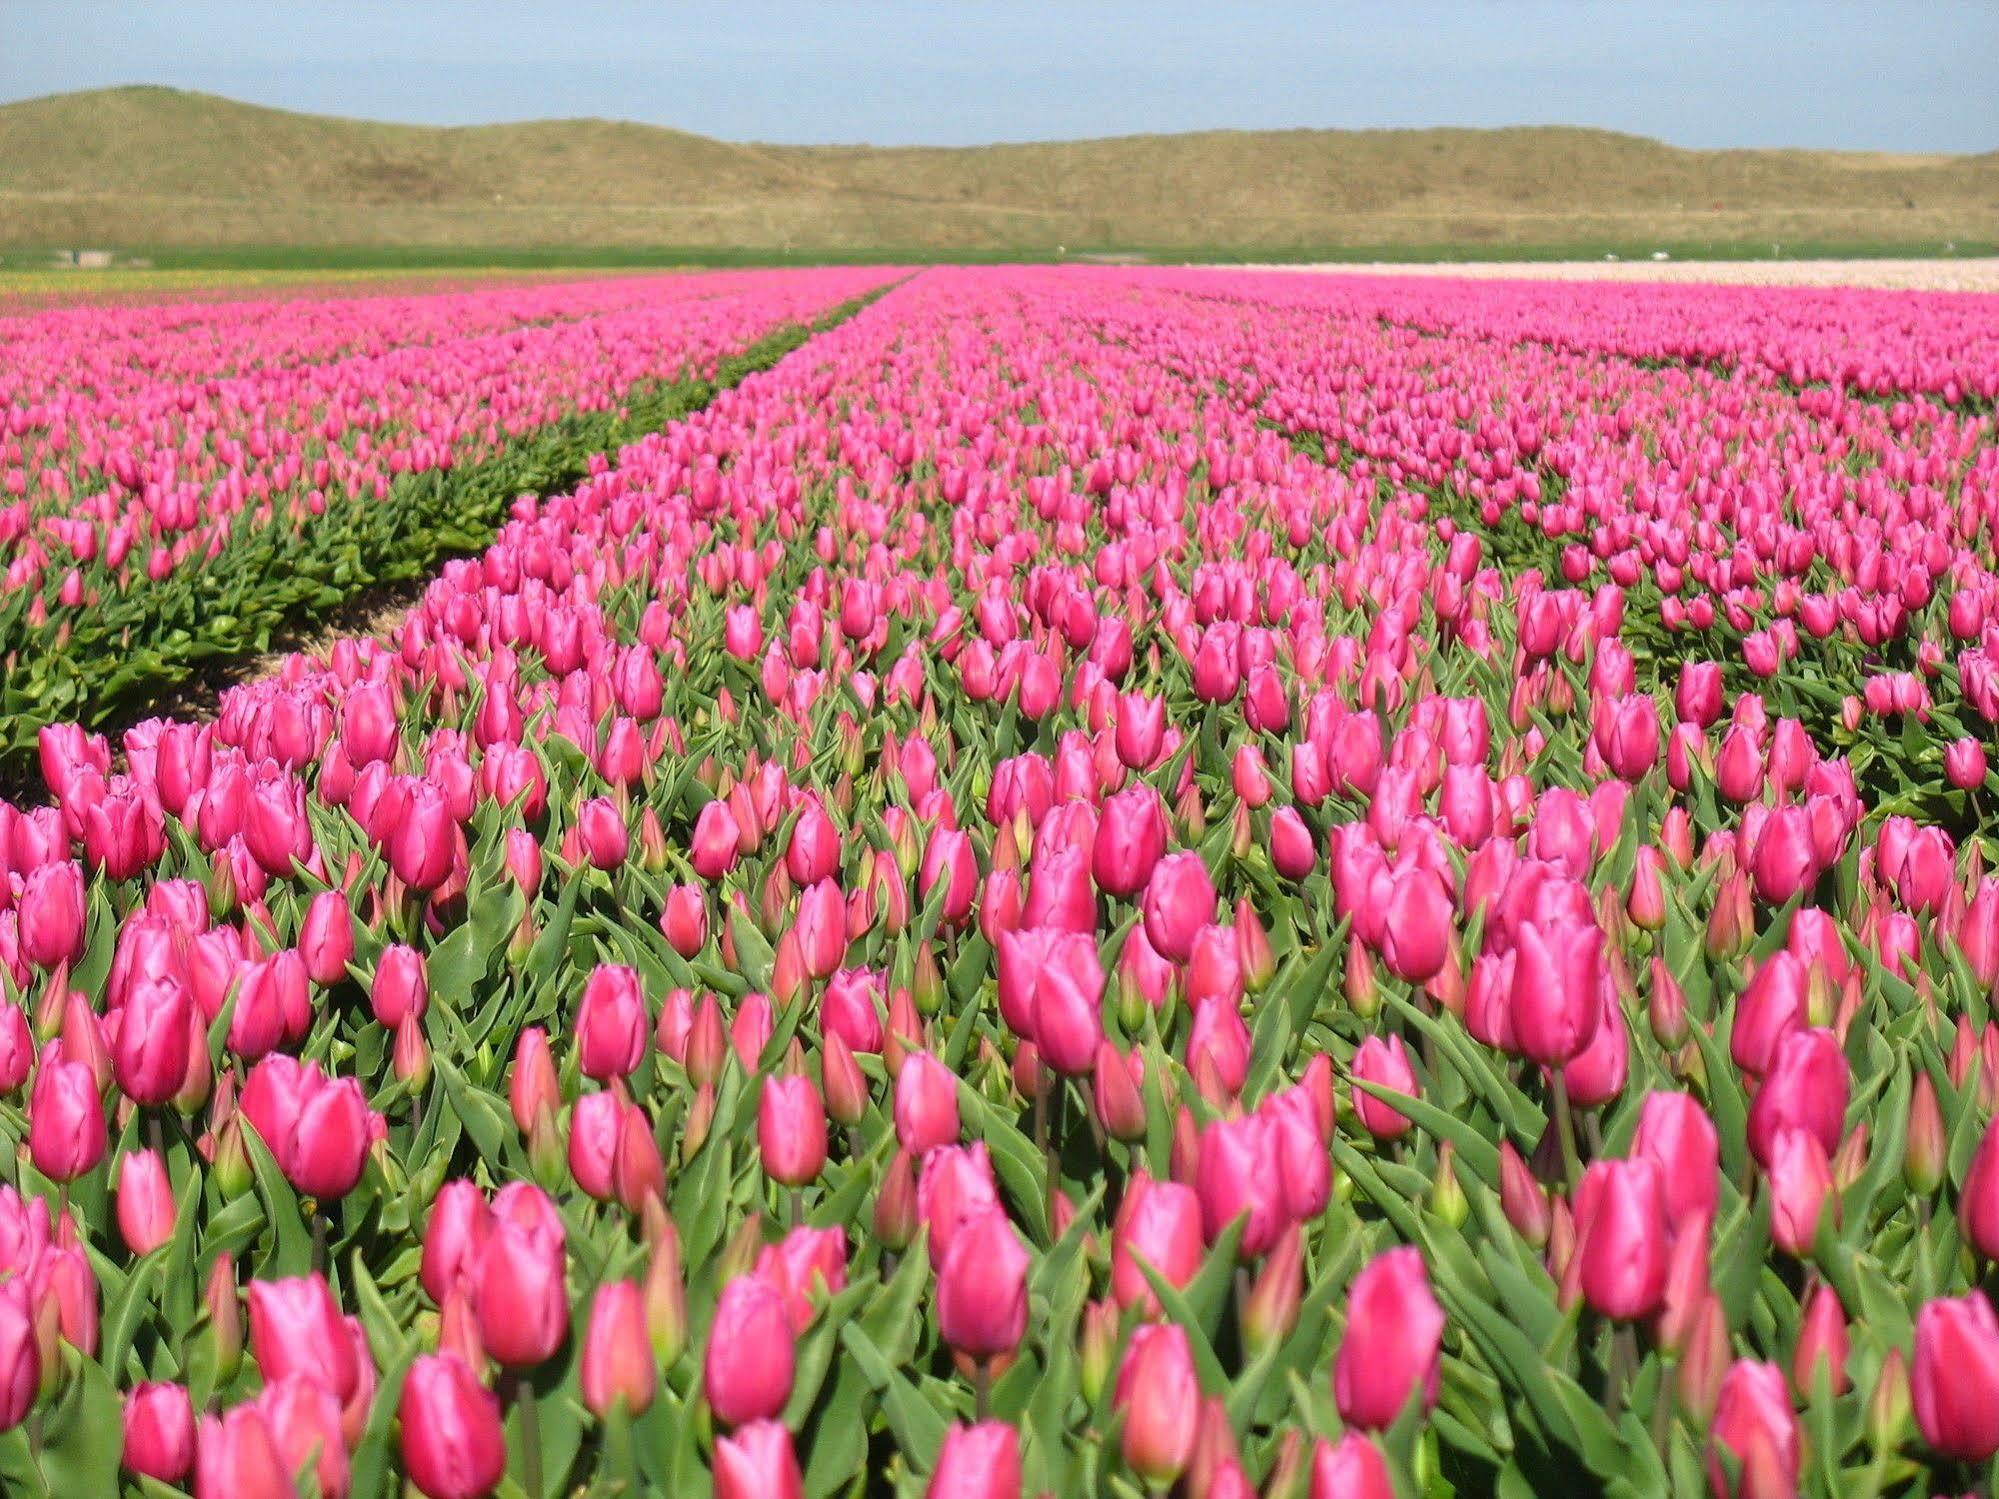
(151, 167)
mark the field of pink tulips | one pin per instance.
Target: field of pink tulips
(1086, 881)
(176, 483)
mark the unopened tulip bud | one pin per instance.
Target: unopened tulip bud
(1561, 1244)
(1272, 1308)
(458, 1330)
(522, 941)
(895, 1214)
(453, 1442)
(1159, 1394)
(1925, 1142)
(411, 1055)
(926, 981)
(225, 1319)
(617, 1364)
(1889, 1404)
(1099, 1346)
(700, 1118)
(707, 1043)
(1028, 1077)
(1666, 1007)
(1731, 924)
(1646, 903)
(159, 1431)
(546, 1156)
(532, 1084)
(1259, 965)
(1447, 1193)
(1849, 1162)
(146, 1204)
(1523, 1199)
(1292, 1470)
(841, 1078)
(1115, 1095)
(1216, 1460)
(791, 1130)
(1705, 1362)
(1822, 1344)
(1362, 992)
(1392, 1347)
(230, 1165)
(665, 1289)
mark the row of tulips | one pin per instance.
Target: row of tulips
(1873, 343)
(968, 920)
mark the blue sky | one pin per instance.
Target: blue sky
(1913, 76)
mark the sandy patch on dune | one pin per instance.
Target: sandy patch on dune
(1894, 275)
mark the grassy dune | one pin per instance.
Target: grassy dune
(193, 179)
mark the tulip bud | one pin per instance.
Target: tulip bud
(791, 1130)
(1393, 1341)
(1822, 1343)
(1115, 1095)
(1926, 1143)
(1731, 924)
(533, 1082)
(1523, 1199)
(977, 1462)
(146, 1206)
(159, 1432)
(1275, 1296)
(1622, 1232)
(1159, 1394)
(1447, 1194)
(982, 1288)
(1259, 965)
(926, 983)
(453, 1443)
(618, 1363)
(1216, 1461)
(748, 1368)
(700, 1118)
(1353, 1469)
(66, 1129)
(1362, 992)
(1888, 1404)
(895, 1214)
(225, 1319)
(757, 1462)
(1666, 1008)
(1705, 1362)
(545, 1153)
(1954, 1382)
(1755, 1426)
(1645, 905)
(410, 1057)
(1099, 1346)
(841, 1078)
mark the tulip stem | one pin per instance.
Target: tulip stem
(318, 1242)
(982, 1389)
(530, 1436)
(1043, 1138)
(1565, 1128)
(1662, 1412)
(797, 1206)
(1623, 1362)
